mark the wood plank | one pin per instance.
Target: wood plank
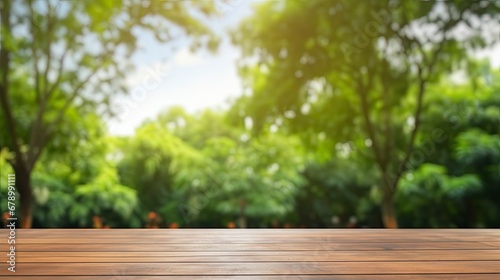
(337, 246)
(284, 277)
(492, 235)
(265, 256)
(144, 239)
(266, 232)
(255, 254)
(495, 244)
(167, 240)
(278, 230)
(270, 232)
(274, 268)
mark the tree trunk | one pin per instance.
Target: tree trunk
(23, 184)
(242, 222)
(388, 211)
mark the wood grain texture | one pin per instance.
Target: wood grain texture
(275, 277)
(269, 268)
(254, 254)
(208, 247)
(264, 256)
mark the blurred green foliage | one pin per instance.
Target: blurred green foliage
(294, 152)
(197, 175)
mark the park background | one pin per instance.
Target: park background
(279, 113)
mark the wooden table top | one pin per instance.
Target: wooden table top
(154, 254)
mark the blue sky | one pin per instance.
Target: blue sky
(192, 80)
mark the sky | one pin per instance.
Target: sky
(195, 81)
(192, 80)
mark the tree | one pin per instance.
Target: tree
(77, 55)
(160, 167)
(257, 177)
(71, 188)
(74, 181)
(197, 128)
(364, 68)
(457, 182)
(198, 166)
(336, 188)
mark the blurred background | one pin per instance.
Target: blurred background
(250, 114)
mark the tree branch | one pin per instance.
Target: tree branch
(4, 87)
(59, 72)
(51, 126)
(421, 91)
(387, 112)
(48, 50)
(34, 53)
(365, 109)
(42, 96)
(37, 129)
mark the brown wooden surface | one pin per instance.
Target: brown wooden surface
(253, 254)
